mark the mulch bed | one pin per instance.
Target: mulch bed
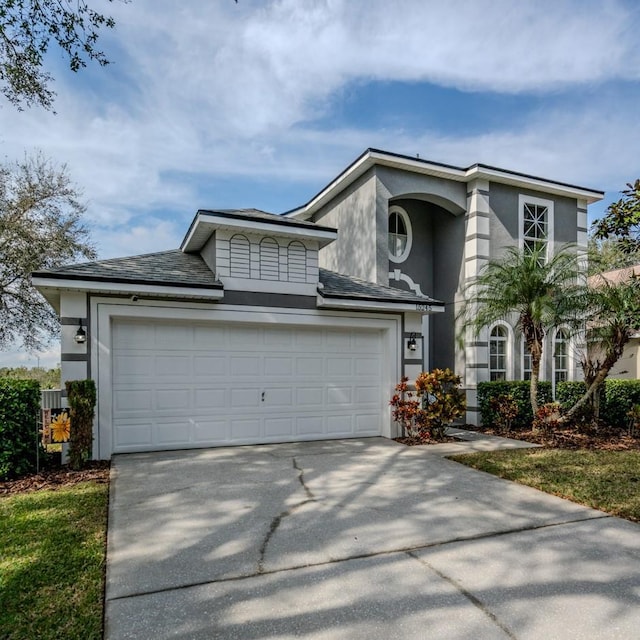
(572, 438)
(98, 471)
(412, 442)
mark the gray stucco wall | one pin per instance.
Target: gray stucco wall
(353, 213)
(503, 200)
(436, 264)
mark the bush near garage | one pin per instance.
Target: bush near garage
(519, 390)
(81, 395)
(620, 396)
(19, 442)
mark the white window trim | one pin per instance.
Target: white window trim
(570, 361)
(508, 371)
(523, 346)
(407, 223)
(522, 200)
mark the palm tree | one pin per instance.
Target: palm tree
(612, 309)
(541, 293)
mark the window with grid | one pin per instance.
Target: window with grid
(561, 356)
(498, 353)
(526, 362)
(535, 226)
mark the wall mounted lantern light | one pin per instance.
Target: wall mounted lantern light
(81, 334)
(412, 343)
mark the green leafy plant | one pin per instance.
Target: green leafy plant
(436, 402)
(519, 390)
(547, 417)
(81, 395)
(19, 442)
(506, 409)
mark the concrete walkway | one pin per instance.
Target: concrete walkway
(357, 539)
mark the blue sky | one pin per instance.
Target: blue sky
(261, 103)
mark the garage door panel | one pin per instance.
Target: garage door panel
(339, 367)
(173, 399)
(309, 396)
(309, 367)
(244, 365)
(278, 427)
(229, 384)
(206, 431)
(278, 366)
(210, 398)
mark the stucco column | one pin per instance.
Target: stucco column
(476, 256)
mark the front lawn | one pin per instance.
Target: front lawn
(605, 480)
(52, 563)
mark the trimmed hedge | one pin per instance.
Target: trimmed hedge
(519, 390)
(619, 397)
(19, 407)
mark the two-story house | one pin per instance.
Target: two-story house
(272, 328)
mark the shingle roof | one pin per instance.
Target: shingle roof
(175, 268)
(257, 214)
(172, 268)
(338, 285)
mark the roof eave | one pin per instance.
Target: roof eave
(372, 157)
(48, 284)
(204, 224)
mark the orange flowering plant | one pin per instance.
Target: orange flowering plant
(431, 406)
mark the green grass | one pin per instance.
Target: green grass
(52, 562)
(605, 480)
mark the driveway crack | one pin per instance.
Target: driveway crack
(275, 523)
(475, 601)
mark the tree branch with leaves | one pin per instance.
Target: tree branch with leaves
(28, 28)
(41, 227)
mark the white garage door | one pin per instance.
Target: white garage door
(198, 385)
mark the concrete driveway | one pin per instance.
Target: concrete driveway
(356, 539)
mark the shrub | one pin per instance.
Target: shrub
(519, 391)
(505, 410)
(435, 404)
(568, 393)
(81, 395)
(619, 398)
(547, 417)
(19, 442)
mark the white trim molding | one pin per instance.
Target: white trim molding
(407, 225)
(398, 276)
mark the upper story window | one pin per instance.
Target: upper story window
(400, 236)
(498, 339)
(536, 224)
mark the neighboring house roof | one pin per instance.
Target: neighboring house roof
(615, 275)
(183, 270)
(373, 157)
(206, 221)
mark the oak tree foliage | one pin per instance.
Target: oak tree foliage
(622, 220)
(27, 30)
(40, 228)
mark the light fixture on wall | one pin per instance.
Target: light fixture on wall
(81, 334)
(412, 343)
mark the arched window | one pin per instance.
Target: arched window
(561, 356)
(269, 259)
(400, 236)
(240, 257)
(297, 262)
(498, 339)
